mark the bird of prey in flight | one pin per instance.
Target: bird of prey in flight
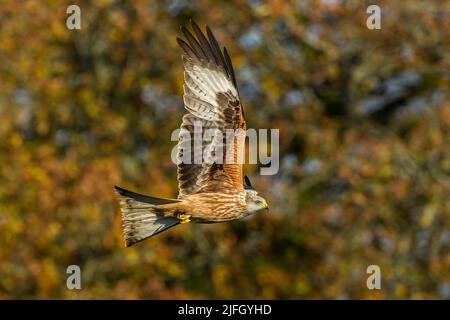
(211, 191)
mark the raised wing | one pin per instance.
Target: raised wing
(211, 97)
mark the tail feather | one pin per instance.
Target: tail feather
(140, 218)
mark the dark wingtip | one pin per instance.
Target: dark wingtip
(247, 183)
(194, 25)
(184, 30)
(119, 190)
(180, 41)
(128, 243)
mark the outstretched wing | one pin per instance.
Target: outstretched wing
(212, 99)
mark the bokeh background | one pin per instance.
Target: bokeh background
(364, 119)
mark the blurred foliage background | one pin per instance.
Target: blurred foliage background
(364, 119)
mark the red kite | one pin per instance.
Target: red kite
(211, 191)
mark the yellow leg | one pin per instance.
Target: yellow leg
(184, 218)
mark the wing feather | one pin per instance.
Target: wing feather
(212, 99)
(195, 46)
(204, 43)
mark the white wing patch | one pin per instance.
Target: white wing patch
(212, 99)
(202, 84)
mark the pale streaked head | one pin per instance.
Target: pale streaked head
(255, 202)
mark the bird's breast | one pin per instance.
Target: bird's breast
(209, 208)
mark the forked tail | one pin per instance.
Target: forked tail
(140, 217)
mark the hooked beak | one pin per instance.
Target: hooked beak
(263, 206)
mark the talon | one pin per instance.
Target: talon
(184, 218)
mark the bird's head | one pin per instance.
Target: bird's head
(254, 201)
